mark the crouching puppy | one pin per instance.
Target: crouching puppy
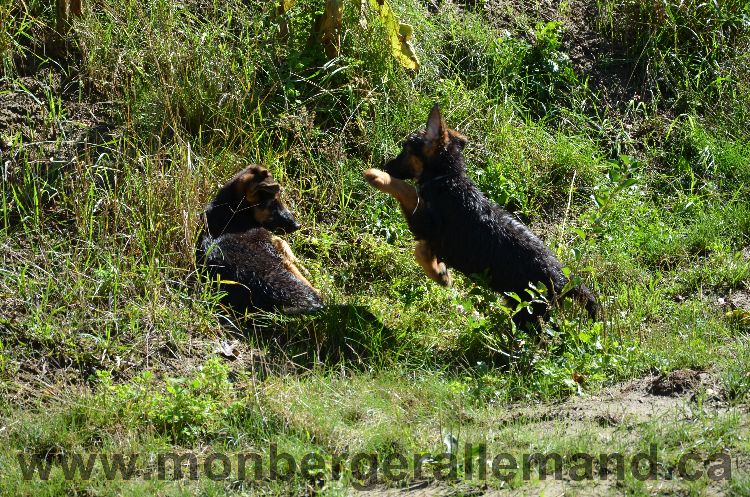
(257, 269)
(455, 225)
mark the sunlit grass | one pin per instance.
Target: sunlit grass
(108, 338)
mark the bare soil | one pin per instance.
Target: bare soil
(739, 299)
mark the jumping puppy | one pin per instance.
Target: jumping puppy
(455, 225)
(257, 269)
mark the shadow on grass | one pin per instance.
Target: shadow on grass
(347, 336)
(350, 337)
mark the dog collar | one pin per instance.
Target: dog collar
(436, 178)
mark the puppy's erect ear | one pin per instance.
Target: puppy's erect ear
(436, 131)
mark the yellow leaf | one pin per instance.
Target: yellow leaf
(739, 314)
(399, 34)
(287, 4)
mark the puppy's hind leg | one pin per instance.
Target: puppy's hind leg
(291, 261)
(434, 269)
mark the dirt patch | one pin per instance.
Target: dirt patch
(549, 487)
(739, 299)
(663, 396)
(422, 489)
(675, 383)
(667, 398)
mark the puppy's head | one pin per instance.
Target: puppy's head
(429, 153)
(259, 197)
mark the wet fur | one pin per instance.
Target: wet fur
(461, 228)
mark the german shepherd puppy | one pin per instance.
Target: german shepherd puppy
(456, 225)
(257, 269)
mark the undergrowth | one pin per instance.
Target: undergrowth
(644, 200)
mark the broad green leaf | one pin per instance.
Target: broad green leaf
(628, 183)
(514, 296)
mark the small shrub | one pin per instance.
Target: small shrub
(180, 408)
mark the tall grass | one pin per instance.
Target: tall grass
(691, 53)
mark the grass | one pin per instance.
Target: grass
(115, 135)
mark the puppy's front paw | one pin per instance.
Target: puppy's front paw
(377, 178)
(444, 275)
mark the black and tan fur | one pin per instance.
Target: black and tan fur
(455, 225)
(236, 246)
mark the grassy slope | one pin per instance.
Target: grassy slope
(642, 193)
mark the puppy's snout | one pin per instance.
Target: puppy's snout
(286, 222)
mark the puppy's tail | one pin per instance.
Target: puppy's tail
(585, 297)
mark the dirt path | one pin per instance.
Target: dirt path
(676, 398)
